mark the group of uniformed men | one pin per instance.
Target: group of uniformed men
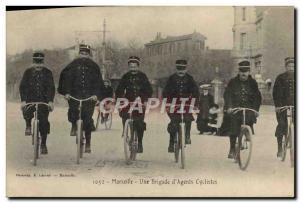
(82, 79)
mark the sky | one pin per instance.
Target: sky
(55, 28)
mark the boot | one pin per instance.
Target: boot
(188, 133)
(28, 131)
(140, 142)
(140, 148)
(44, 149)
(231, 154)
(88, 142)
(28, 128)
(73, 130)
(279, 145)
(171, 144)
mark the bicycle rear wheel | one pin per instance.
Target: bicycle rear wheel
(291, 140)
(79, 141)
(126, 140)
(182, 145)
(108, 121)
(35, 141)
(285, 143)
(244, 147)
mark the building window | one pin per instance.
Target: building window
(244, 13)
(178, 47)
(243, 41)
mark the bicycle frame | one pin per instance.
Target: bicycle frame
(289, 137)
(35, 135)
(79, 137)
(180, 140)
(241, 145)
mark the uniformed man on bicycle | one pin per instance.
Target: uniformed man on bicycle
(37, 85)
(134, 84)
(180, 85)
(82, 79)
(284, 95)
(241, 91)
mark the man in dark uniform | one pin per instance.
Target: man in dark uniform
(241, 91)
(107, 92)
(180, 85)
(37, 85)
(206, 101)
(82, 79)
(284, 95)
(134, 84)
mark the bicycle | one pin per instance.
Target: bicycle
(288, 138)
(107, 119)
(35, 129)
(179, 141)
(244, 143)
(130, 138)
(79, 134)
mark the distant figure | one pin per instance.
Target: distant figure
(206, 101)
(214, 112)
(269, 83)
(107, 92)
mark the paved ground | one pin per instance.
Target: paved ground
(104, 172)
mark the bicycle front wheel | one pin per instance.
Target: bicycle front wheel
(79, 135)
(126, 140)
(108, 121)
(176, 147)
(244, 147)
(285, 143)
(182, 146)
(291, 140)
(35, 141)
(133, 142)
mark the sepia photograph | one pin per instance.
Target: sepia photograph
(150, 102)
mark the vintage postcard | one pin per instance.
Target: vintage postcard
(137, 101)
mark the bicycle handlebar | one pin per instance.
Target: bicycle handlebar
(79, 100)
(34, 103)
(235, 110)
(283, 108)
(27, 105)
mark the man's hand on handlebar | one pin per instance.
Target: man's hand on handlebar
(229, 110)
(23, 104)
(51, 106)
(67, 96)
(94, 97)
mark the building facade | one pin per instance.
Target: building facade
(264, 36)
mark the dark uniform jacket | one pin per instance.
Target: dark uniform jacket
(132, 86)
(81, 79)
(243, 94)
(181, 87)
(284, 90)
(37, 85)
